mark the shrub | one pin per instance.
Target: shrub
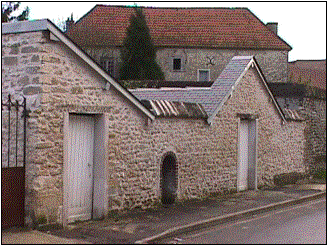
(287, 178)
(320, 159)
(320, 174)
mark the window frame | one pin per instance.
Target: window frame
(208, 70)
(182, 59)
(106, 67)
(180, 64)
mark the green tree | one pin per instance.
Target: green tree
(7, 8)
(138, 53)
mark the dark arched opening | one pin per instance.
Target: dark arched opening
(168, 179)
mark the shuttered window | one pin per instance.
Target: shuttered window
(177, 64)
(108, 65)
(203, 75)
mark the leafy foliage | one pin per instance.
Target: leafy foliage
(315, 92)
(320, 164)
(287, 178)
(7, 8)
(320, 174)
(139, 53)
(131, 84)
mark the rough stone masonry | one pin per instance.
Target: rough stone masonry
(56, 83)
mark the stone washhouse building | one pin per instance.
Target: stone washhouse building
(93, 146)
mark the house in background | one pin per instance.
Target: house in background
(310, 72)
(193, 44)
(92, 146)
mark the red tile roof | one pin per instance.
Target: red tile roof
(178, 27)
(311, 71)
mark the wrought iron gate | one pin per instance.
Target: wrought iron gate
(13, 158)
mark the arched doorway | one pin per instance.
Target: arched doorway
(168, 179)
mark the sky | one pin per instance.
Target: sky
(301, 24)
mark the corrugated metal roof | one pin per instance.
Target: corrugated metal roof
(210, 98)
(291, 114)
(164, 108)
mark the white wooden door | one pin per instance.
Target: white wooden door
(80, 167)
(243, 156)
(252, 155)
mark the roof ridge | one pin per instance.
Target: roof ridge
(156, 7)
(169, 89)
(242, 57)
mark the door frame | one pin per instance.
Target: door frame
(256, 121)
(98, 165)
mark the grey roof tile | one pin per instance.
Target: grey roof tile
(209, 98)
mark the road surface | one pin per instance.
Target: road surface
(305, 223)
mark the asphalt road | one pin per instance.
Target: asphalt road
(305, 223)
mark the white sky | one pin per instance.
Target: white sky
(301, 24)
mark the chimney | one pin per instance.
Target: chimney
(273, 26)
(69, 23)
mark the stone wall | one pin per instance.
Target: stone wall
(314, 111)
(21, 77)
(55, 81)
(272, 62)
(207, 155)
(58, 82)
(69, 85)
(280, 146)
